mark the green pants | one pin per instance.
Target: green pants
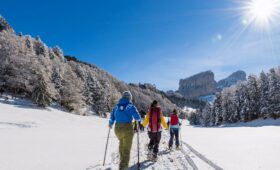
(124, 132)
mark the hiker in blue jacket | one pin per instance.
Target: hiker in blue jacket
(123, 114)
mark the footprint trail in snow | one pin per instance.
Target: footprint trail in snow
(186, 158)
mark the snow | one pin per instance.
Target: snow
(249, 146)
(33, 138)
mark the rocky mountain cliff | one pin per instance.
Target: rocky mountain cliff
(28, 65)
(204, 84)
(233, 79)
(201, 84)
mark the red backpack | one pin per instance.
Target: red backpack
(154, 122)
(174, 119)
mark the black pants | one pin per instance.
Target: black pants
(174, 132)
(154, 141)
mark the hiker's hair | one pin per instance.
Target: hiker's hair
(154, 104)
(175, 111)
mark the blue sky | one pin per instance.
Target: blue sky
(155, 41)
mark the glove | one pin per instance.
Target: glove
(167, 128)
(110, 126)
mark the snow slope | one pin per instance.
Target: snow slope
(35, 139)
(43, 139)
(244, 146)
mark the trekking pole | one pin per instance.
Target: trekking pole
(106, 146)
(180, 129)
(138, 164)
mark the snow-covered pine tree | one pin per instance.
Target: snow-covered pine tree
(228, 106)
(56, 78)
(28, 42)
(40, 95)
(274, 94)
(245, 105)
(218, 109)
(71, 92)
(225, 106)
(254, 98)
(206, 115)
(194, 118)
(264, 95)
(40, 48)
(235, 117)
(213, 116)
(58, 51)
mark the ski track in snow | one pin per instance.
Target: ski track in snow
(186, 158)
(202, 157)
(169, 160)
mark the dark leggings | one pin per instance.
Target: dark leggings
(174, 132)
(154, 141)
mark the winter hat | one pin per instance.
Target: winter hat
(127, 95)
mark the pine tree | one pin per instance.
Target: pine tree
(194, 118)
(264, 95)
(218, 109)
(274, 94)
(40, 95)
(225, 106)
(39, 47)
(236, 107)
(244, 99)
(206, 115)
(228, 106)
(254, 98)
(56, 78)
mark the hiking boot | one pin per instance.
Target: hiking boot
(169, 147)
(154, 158)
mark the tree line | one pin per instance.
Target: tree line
(257, 97)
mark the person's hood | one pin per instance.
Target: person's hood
(124, 101)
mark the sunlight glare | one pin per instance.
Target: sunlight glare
(262, 12)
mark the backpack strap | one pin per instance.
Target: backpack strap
(158, 118)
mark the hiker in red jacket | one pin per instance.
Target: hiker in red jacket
(174, 125)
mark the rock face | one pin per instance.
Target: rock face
(201, 84)
(233, 79)
(76, 85)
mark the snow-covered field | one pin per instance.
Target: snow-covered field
(37, 139)
(243, 146)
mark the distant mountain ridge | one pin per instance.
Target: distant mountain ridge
(204, 84)
(201, 84)
(233, 79)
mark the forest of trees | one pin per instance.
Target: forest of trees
(30, 69)
(258, 97)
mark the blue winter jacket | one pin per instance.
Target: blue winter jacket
(124, 112)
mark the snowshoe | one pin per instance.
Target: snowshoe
(170, 159)
(170, 147)
(154, 158)
(150, 155)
